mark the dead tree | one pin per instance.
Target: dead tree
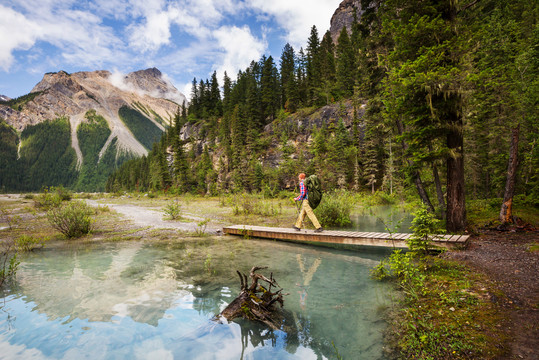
(257, 302)
(506, 212)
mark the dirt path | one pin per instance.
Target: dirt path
(144, 217)
(507, 259)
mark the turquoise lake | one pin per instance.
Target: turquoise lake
(141, 300)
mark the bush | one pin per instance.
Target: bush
(52, 197)
(29, 243)
(423, 226)
(8, 260)
(73, 219)
(173, 210)
(47, 200)
(405, 269)
(384, 198)
(334, 210)
(63, 193)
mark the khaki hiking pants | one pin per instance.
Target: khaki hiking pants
(306, 210)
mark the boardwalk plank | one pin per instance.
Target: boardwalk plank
(339, 237)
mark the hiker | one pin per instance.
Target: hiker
(305, 207)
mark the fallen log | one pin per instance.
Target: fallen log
(257, 302)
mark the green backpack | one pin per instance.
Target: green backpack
(314, 191)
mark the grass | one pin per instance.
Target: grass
(453, 318)
(486, 212)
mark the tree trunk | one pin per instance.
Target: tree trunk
(506, 212)
(423, 195)
(456, 203)
(438, 184)
(439, 191)
(256, 302)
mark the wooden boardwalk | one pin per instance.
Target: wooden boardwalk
(342, 237)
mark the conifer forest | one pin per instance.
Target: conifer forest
(436, 100)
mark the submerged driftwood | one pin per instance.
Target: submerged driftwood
(257, 302)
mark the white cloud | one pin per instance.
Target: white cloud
(240, 48)
(298, 16)
(79, 35)
(153, 34)
(17, 33)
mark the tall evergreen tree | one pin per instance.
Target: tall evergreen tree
(327, 68)
(346, 64)
(215, 103)
(288, 83)
(269, 90)
(313, 76)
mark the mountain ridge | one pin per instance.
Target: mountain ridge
(72, 95)
(147, 98)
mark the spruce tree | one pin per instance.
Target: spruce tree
(313, 77)
(346, 64)
(287, 64)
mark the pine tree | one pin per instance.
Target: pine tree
(227, 90)
(269, 90)
(301, 77)
(215, 104)
(195, 99)
(327, 69)
(288, 83)
(346, 64)
(313, 77)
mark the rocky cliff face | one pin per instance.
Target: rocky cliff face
(344, 17)
(72, 95)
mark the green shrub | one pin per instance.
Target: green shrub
(423, 226)
(52, 197)
(405, 269)
(200, 230)
(334, 210)
(63, 193)
(7, 216)
(8, 260)
(383, 198)
(29, 243)
(47, 200)
(73, 219)
(173, 210)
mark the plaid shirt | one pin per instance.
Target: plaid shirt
(302, 192)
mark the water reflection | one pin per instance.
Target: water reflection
(140, 300)
(97, 288)
(378, 218)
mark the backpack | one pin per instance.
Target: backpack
(314, 191)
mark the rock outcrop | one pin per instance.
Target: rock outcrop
(344, 17)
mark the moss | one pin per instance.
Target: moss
(454, 318)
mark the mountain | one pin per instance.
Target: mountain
(107, 119)
(344, 17)
(4, 98)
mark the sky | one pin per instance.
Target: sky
(182, 38)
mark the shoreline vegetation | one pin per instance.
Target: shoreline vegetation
(446, 308)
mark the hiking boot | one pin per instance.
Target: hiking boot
(296, 228)
(319, 230)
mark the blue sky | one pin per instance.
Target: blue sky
(182, 38)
